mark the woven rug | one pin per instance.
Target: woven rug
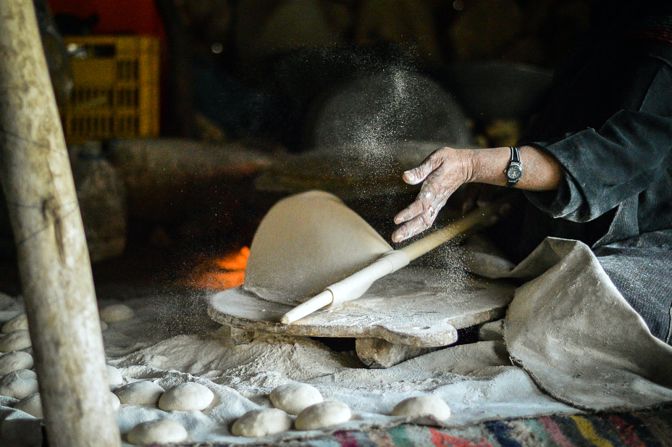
(649, 428)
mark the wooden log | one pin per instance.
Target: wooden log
(379, 353)
(51, 248)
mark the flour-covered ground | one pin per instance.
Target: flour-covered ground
(567, 325)
(170, 340)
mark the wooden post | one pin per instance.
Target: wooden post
(51, 248)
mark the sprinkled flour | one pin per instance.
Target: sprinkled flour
(477, 379)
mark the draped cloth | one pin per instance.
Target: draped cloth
(572, 330)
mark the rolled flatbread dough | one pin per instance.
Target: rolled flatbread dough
(31, 405)
(143, 392)
(262, 423)
(161, 431)
(295, 397)
(116, 312)
(188, 396)
(305, 243)
(18, 323)
(19, 384)
(15, 341)
(13, 361)
(322, 415)
(423, 406)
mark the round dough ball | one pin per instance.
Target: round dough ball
(115, 402)
(116, 312)
(161, 431)
(14, 361)
(262, 423)
(324, 414)
(295, 397)
(19, 384)
(18, 323)
(31, 405)
(186, 396)
(423, 406)
(143, 392)
(114, 377)
(15, 341)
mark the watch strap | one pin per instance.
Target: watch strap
(515, 154)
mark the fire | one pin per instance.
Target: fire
(222, 273)
(234, 261)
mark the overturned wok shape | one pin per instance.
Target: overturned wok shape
(312, 244)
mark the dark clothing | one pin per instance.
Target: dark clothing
(610, 127)
(608, 121)
(640, 268)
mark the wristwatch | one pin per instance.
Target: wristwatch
(514, 170)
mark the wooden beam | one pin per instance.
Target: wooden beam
(51, 248)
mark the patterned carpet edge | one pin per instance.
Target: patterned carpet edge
(650, 428)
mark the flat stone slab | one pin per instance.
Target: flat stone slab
(415, 306)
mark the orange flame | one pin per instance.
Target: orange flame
(234, 261)
(222, 273)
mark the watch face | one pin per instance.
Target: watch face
(514, 172)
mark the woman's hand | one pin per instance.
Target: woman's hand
(447, 169)
(442, 173)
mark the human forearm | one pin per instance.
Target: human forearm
(541, 172)
(607, 165)
(447, 169)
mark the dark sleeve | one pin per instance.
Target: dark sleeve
(605, 166)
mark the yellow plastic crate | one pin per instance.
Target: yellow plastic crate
(116, 88)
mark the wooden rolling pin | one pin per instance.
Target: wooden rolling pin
(355, 285)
